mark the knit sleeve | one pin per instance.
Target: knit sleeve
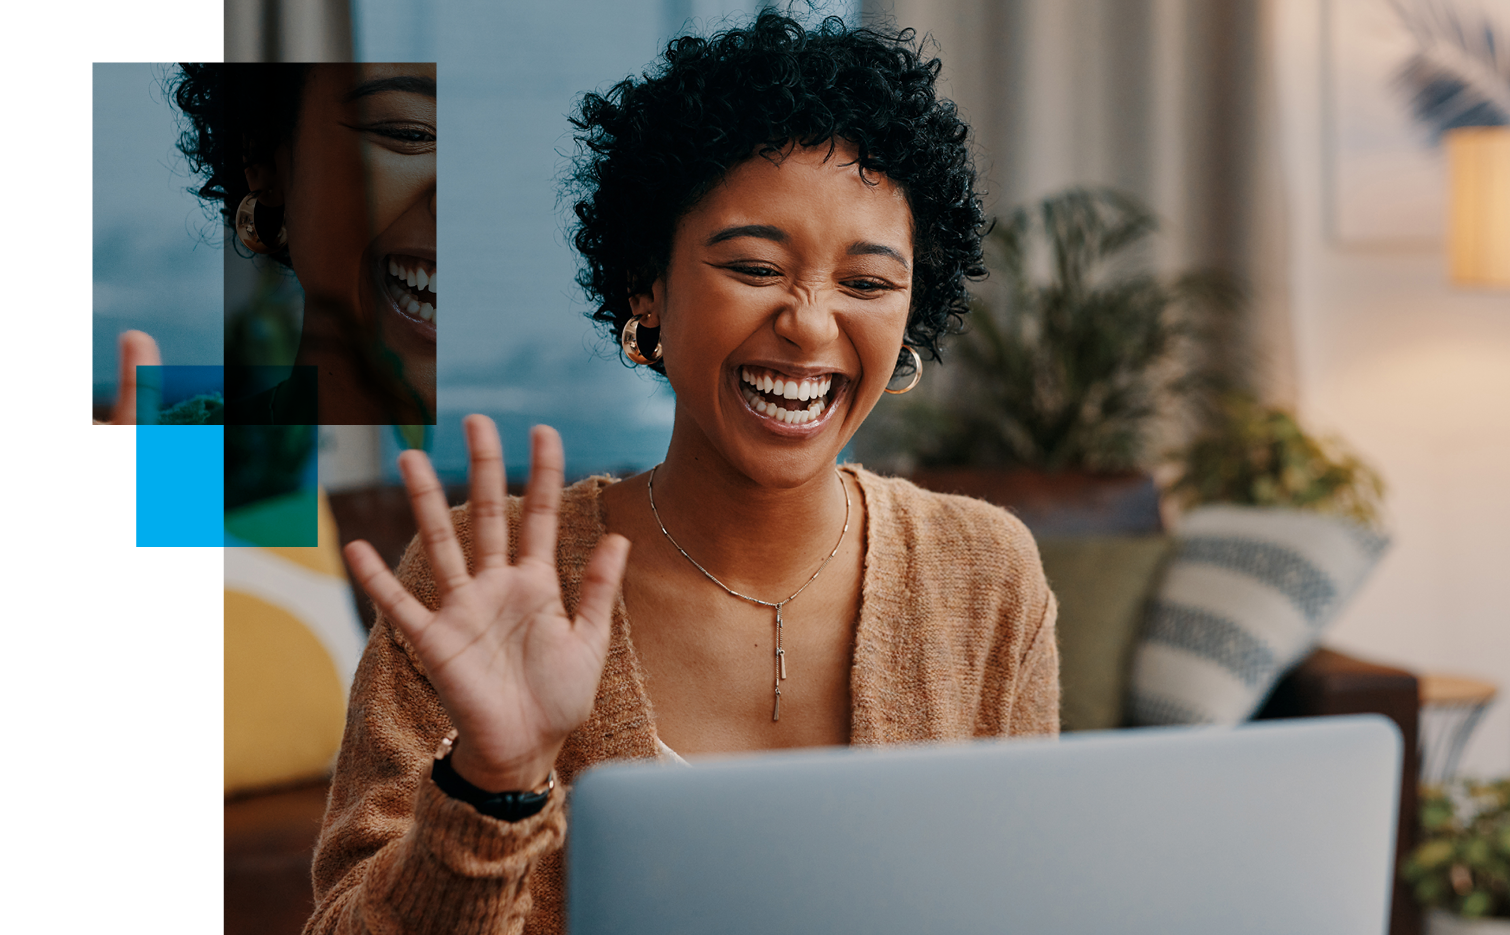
(395, 854)
(1035, 700)
(1021, 691)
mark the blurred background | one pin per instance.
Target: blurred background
(1291, 296)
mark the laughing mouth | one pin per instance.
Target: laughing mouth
(791, 400)
(411, 283)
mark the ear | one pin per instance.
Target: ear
(262, 177)
(647, 305)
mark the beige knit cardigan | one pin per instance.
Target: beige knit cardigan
(955, 640)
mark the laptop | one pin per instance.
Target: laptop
(1278, 827)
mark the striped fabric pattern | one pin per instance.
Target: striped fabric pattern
(1245, 597)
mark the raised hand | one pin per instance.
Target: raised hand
(514, 672)
(136, 348)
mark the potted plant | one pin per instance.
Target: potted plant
(1461, 869)
(1076, 354)
(1258, 455)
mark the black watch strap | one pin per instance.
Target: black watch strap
(505, 806)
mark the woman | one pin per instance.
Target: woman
(329, 170)
(766, 219)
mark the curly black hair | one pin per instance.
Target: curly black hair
(651, 147)
(237, 115)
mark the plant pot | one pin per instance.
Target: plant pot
(1439, 922)
(1065, 504)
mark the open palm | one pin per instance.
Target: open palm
(515, 673)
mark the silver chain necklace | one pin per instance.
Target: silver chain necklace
(778, 605)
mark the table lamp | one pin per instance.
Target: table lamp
(1478, 236)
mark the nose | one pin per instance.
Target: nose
(808, 318)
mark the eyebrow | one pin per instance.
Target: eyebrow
(866, 248)
(411, 84)
(763, 231)
(776, 234)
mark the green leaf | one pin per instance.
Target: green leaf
(1475, 905)
(1433, 854)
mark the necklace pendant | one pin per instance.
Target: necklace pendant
(776, 713)
(781, 658)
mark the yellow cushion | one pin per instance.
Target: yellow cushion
(284, 701)
(292, 641)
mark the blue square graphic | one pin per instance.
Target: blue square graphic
(180, 485)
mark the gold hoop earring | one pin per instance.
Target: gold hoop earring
(629, 340)
(917, 372)
(246, 227)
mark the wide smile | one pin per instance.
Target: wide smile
(410, 284)
(790, 404)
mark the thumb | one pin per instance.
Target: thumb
(137, 349)
(600, 583)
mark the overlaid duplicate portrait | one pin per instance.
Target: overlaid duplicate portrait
(329, 171)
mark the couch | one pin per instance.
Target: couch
(270, 834)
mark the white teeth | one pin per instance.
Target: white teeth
(780, 414)
(812, 390)
(432, 284)
(420, 279)
(427, 311)
(411, 305)
(392, 267)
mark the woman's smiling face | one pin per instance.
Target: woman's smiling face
(358, 185)
(793, 273)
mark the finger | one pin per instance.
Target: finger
(137, 349)
(391, 597)
(490, 535)
(542, 496)
(436, 533)
(600, 587)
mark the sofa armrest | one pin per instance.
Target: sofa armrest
(269, 848)
(1331, 683)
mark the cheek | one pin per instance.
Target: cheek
(397, 183)
(879, 331)
(327, 217)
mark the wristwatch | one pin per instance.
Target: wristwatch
(505, 806)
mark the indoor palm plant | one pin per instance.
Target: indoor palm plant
(1076, 356)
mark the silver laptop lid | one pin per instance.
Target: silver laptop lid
(1282, 827)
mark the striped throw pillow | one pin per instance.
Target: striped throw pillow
(1244, 599)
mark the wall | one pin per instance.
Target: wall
(1416, 376)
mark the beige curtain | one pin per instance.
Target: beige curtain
(288, 31)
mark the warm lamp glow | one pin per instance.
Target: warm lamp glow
(1478, 238)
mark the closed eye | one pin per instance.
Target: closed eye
(756, 271)
(407, 134)
(406, 138)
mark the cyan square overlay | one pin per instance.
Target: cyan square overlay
(180, 485)
(204, 484)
